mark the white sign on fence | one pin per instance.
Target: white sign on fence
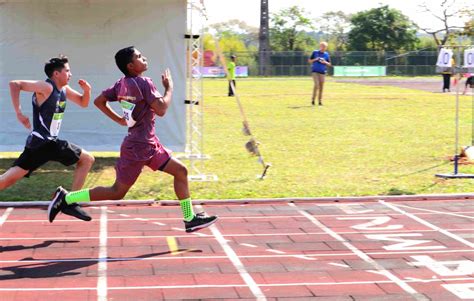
(444, 58)
(469, 58)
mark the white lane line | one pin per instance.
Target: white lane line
(230, 235)
(339, 265)
(429, 225)
(435, 211)
(159, 224)
(231, 285)
(124, 215)
(249, 281)
(402, 284)
(275, 251)
(5, 215)
(200, 234)
(418, 279)
(102, 266)
(248, 245)
(305, 256)
(177, 229)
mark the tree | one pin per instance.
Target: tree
(382, 28)
(469, 28)
(336, 25)
(248, 34)
(287, 30)
(447, 13)
(228, 44)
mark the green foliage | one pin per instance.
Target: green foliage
(288, 30)
(469, 28)
(248, 34)
(382, 28)
(209, 43)
(336, 25)
(427, 43)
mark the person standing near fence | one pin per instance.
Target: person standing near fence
(231, 74)
(319, 61)
(447, 73)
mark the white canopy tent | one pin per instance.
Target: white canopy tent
(90, 32)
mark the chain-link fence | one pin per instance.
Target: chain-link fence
(295, 63)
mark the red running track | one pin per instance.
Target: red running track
(418, 250)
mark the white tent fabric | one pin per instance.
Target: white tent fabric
(90, 32)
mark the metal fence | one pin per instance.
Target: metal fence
(294, 63)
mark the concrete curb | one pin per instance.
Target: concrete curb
(421, 197)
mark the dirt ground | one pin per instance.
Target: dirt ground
(424, 84)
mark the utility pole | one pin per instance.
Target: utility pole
(264, 45)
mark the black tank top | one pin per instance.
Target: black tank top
(47, 118)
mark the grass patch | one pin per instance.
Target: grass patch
(365, 140)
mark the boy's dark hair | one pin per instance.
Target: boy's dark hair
(123, 57)
(55, 64)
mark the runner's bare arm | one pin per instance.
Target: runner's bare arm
(101, 102)
(160, 105)
(41, 88)
(80, 99)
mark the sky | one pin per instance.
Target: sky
(249, 10)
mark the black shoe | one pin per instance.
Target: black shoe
(76, 211)
(199, 221)
(320, 103)
(312, 102)
(57, 203)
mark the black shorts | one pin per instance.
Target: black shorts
(470, 81)
(59, 150)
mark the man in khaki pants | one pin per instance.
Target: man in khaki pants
(319, 61)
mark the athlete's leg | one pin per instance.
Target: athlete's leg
(115, 192)
(321, 78)
(83, 166)
(192, 222)
(315, 86)
(11, 176)
(180, 174)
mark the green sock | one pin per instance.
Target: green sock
(187, 209)
(80, 196)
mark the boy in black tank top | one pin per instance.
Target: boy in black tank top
(43, 145)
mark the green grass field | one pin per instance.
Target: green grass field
(363, 141)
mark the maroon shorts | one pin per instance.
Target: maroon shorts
(133, 157)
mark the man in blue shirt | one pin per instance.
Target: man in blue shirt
(319, 61)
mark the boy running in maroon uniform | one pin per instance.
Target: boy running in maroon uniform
(140, 102)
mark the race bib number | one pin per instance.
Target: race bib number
(444, 58)
(127, 108)
(56, 124)
(469, 58)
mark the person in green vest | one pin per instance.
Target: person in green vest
(231, 74)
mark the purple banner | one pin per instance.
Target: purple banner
(240, 71)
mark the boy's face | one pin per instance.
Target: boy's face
(64, 75)
(139, 63)
(323, 47)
